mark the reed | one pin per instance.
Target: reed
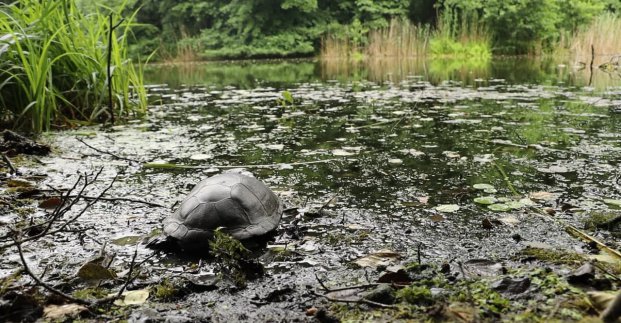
(461, 34)
(53, 66)
(400, 39)
(602, 34)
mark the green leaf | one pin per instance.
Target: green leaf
(499, 207)
(287, 96)
(485, 200)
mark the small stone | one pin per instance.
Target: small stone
(512, 286)
(383, 294)
(582, 275)
(311, 311)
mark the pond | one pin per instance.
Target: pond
(434, 160)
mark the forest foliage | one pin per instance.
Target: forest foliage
(284, 28)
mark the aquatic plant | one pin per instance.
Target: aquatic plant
(54, 62)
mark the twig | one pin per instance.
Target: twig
(129, 274)
(107, 152)
(60, 211)
(356, 301)
(577, 232)
(9, 164)
(176, 166)
(125, 199)
(18, 244)
(321, 283)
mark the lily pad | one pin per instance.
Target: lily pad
(499, 207)
(487, 188)
(482, 186)
(485, 200)
(448, 208)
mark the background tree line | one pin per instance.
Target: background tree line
(285, 28)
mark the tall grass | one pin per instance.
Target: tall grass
(603, 33)
(53, 62)
(400, 39)
(457, 34)
(461, 34)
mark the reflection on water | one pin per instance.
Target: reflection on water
(250, 74)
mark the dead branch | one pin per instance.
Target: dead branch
(355, 301)
(124, 199)
(9, 164)
(105, 152)
(129, 274)
(55, 224)
(18, 244)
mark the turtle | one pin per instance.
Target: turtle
(237, 204)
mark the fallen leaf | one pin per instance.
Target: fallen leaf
(58, 312)
(133, 297)
(383, 257)
(437, 218)
(94, 271)
(50, 203)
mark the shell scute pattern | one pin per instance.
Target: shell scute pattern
(243, 206)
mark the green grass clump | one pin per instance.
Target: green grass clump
(53, 66)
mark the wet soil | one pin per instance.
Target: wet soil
(361, 167)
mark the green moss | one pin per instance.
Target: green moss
(165, 290)
(91, 293)
(417, 295)
(478, 292)
(554, 256)
(597, 220)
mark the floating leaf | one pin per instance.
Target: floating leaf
(127, 240)
(542, 196)
(342, 152)
(133, 297)
(487, 188)
(499, 207)
(554, 169)
(527, 202)
(485, 200)
(613, 202)
(448, 208)
(509, 220)
(200, 157)
(515, 205)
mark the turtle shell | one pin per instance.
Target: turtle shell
(240, 205)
